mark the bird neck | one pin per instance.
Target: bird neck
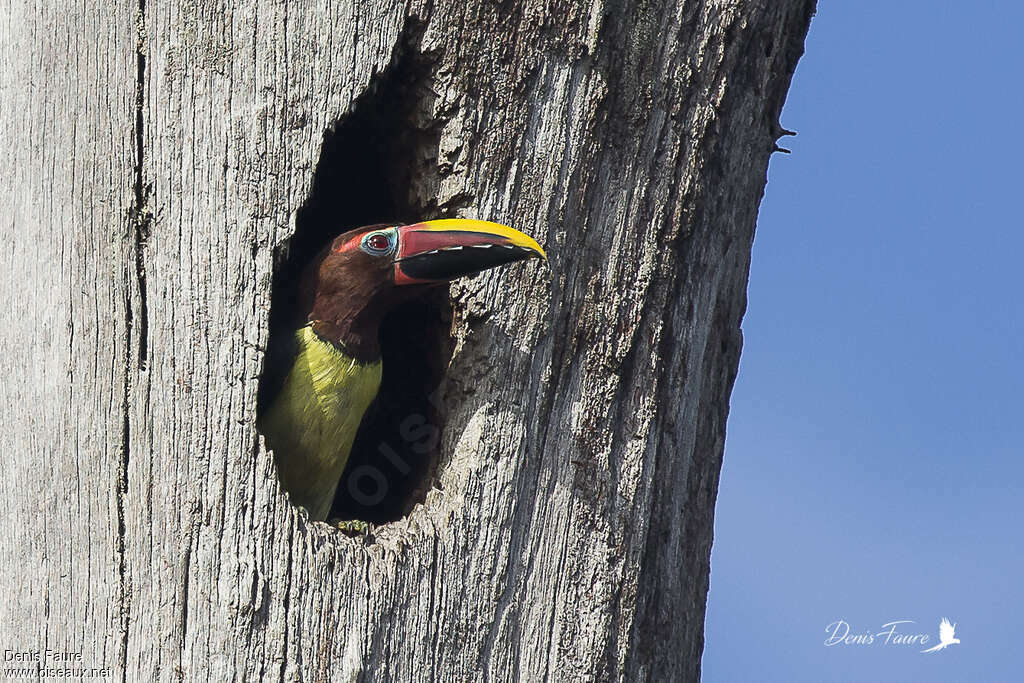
(351, 320)
(357, 336)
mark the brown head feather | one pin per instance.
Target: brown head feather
(348, 292)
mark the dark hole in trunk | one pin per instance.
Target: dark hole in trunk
(375, 166)
(395, 454)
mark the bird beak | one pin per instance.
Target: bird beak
(442, 250)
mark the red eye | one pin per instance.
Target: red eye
(378, 242)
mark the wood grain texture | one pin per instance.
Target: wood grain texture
(157, 155)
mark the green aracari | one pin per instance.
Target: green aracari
(331, 371)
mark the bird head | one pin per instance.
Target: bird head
(366, 272)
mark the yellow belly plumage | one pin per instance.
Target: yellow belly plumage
(312, 422)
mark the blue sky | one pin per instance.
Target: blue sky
(873, 466)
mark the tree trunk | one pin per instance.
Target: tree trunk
(156, 161)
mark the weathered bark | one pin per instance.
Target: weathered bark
(155, 157)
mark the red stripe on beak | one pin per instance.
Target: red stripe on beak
(442, 250)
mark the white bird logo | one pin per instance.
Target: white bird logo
(946, 631)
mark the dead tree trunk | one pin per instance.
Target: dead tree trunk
(157, 159)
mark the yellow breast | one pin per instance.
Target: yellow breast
(312, 422)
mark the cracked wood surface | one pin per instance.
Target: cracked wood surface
(156, 155)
